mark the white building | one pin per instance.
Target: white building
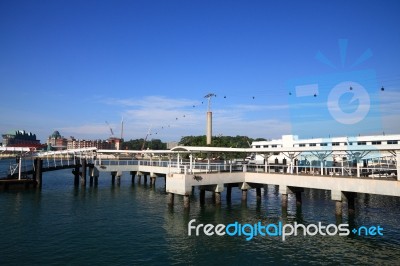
(293, 141)
(361, 151)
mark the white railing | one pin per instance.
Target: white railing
(187, 168)
(382, 171)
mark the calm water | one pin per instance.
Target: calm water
(132, 224)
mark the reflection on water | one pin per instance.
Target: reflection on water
(131, 223)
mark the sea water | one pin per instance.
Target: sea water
(132, 224)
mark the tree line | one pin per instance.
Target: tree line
(141, 144)
(217, 141)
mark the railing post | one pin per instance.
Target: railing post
(84, 171)
(38, 172)
(19, 166)
(398, 165)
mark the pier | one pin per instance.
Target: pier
(183, 171)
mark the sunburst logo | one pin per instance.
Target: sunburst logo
(341, 103)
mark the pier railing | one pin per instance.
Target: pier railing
(175, 167)
(377, 171)
(184, 167)
(49, 163)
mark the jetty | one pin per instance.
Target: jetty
(342, 169)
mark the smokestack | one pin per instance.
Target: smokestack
(209, 117)
(209, 127)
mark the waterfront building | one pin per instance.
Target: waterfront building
(109, 144)
(21, 138)
(56, 142)
(294, 141)
(331, 151)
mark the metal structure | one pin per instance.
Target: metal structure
(209, 118)
(209, 96)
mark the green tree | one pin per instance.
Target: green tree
(137, 144)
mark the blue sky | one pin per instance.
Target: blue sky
(72, 65)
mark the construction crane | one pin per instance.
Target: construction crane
(112, 132)
(145, 139)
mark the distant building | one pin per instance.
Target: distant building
(21, 138)
(56, 142)
(110, 144)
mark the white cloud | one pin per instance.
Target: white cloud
(170, 119)
(390, 102)
(91, 131)
(160, 101)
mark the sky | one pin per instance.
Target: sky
(311, 68)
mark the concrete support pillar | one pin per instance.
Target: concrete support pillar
(91, 171)
(276, 188)
(285, 190)
(228, 193)
(244, 194)
(217, 198)
(213, 197)
(258, 194)
(186, 201)
(336, 196)
(351, 205)
(94, 175)
(113, 174)
(284, 200)
(171, 197)
(298, 198)
(153, 179)
(76, 173)
(202, 196)
(38, 172)
(350, 197)
(84, 171)
(145, 179)
(133, 174)
(118, 180)
(338, 207)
